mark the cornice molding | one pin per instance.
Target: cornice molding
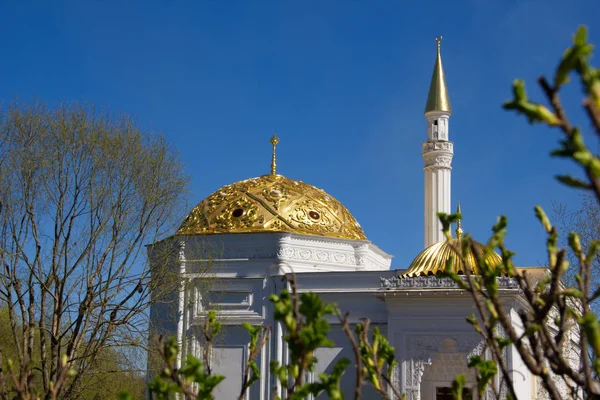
(290, 248)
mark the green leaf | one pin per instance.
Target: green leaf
(573, 182)
(593, 248)
(573, 57)
(447, 220)
(543, 218)
(532, 329)
(591, 328)
(580, 37)
(491, 308)
(575, 243)
(125, 396)
(535, 113)
(519, 92)
(503, 342)
(458, 385)
(572, 292)
(486, 370)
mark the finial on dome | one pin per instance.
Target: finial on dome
(274, 142)
(459, 230)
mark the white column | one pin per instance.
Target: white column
(437, 155)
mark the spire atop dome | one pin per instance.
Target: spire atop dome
(274, 141)
(459, 230)
(438, 99)
(447, 254)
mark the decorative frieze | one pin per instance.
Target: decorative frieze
(438, 146)
(397, 282)
(436, 160)
(298, 249)
(319, 256)
(433, 282)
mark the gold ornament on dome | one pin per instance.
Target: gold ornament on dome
(274, 142)
(434, 258)
(271, 203)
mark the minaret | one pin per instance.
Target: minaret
(437, 153)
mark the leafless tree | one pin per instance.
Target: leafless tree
(583, 218)
(81, 193)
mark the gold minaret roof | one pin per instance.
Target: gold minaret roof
(438, 99)
(433, 259)
(271, 203)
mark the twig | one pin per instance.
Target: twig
(360, 374)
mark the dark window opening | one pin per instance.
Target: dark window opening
(435, 122)
(445, 393)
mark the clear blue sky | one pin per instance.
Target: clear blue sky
(343, 83)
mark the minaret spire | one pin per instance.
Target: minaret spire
(437, 152)
(438, 99)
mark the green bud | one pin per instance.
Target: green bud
(591, 328)
(543, 218)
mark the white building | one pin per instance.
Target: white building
(253, 232)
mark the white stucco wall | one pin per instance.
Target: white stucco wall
(422, 318)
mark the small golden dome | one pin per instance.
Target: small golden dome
(433, 259)
(271, 203)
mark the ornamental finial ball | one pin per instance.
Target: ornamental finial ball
(438, 40)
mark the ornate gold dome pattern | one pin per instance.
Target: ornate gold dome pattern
(433, 259)
(271, 203)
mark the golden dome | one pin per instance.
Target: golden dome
(271, 203)
(433, 259)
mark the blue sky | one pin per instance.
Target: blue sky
(343, 83)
